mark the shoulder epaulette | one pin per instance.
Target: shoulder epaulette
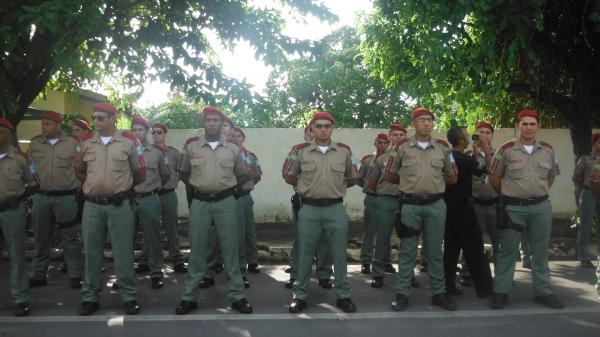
(36, 137)
(172, 148)
(87, 136)
(193, 139)
(506, 145)
(367, 157)
(442, 141)
(344, 146)
(301, 146)
(128, 135)
(546, 145)
(159, 148)
(402, 141)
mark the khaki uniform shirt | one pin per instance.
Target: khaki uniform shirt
(252, 163)
(422, 171)
(173, 157)
(364, 171)
(55, 162)
(583, 170)
(525, 175)
(15, 174)
(109, 168)
(212, 171)
(157, 169)
(482, 189)
(321, 176)
(384, 187)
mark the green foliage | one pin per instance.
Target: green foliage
(334, 79)
(68, 120)
(69, 43)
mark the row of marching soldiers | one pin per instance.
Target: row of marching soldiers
(107, 180)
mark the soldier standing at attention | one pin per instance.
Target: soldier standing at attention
(80, 128)
(422, 166)
(214, 168)
(110, 164)
(53, 153)
(381, 144)
(387, 206)
(588, 204)
(522, 171)
(249, 252)
(321, 171)
(168, 197)
(17, 182)
(324, 261)
(147, 204)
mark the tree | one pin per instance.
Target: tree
(488, 59)
(67, 43)
(333, 79)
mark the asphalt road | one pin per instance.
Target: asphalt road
(54, 310)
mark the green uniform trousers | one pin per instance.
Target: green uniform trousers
(119, 221)
(46, 212)
(12, 223)
(589, 209)
(214, 256)
(147, 210)
(387, 206)
(487, 221)
(168, 215)
(431, 219)
(248, 250)
(369, 229)
(536, 221)
(324, 258)
(223, 214)
(331, 223)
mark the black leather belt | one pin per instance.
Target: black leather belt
(388, 195)
(485, 202)
(165, 191)
(243, 193)
(524, 202)
(212, 197)
(57, 193)
(144, 194)
(371, 194)
(115, 199)
(420, 199)
(321, 202)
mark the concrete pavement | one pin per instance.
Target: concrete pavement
(54, 309)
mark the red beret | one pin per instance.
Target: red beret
(104, 107)
(228, 120)
(421, 112)
(595, 137)
(211, 110)
(139, 120)
(398, 127)
(235, 128)
(7, 124)
(527, 113)
(82, 124)
(322, 115)
(382, 136)
(53, 116)
(483, 124)
(159, 125)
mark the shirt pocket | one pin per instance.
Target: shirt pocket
(542, 169)
(437, 165)
(409, 167)
(120, 162)
(64, 160)
(37, 158)
(516, 171)
(338, 171)
(308, 171)
(14, 180)
(227, 173)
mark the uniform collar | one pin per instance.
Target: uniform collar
(414, 142)
(61, 137)
(222, 141)
(10, 152)
(520, 146)
(332, 145)
(116, 137)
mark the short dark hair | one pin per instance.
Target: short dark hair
(455, 134)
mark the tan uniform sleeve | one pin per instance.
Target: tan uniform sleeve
(240, 169)
(351, 169)
(184, 164)
(257, 171)
(498, 163)
(136, 156)
(164, 166)
(395, 161)
(555, 170)
(291, 165)
(450, 168)
(363, 169)
(30, 176)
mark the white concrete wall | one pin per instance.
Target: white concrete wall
(272, 194)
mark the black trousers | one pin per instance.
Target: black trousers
(462, 232)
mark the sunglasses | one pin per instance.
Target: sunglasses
(322, 126)
(382, 142)
(157, 132)
(98, 118)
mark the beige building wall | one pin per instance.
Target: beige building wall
(272, 194)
